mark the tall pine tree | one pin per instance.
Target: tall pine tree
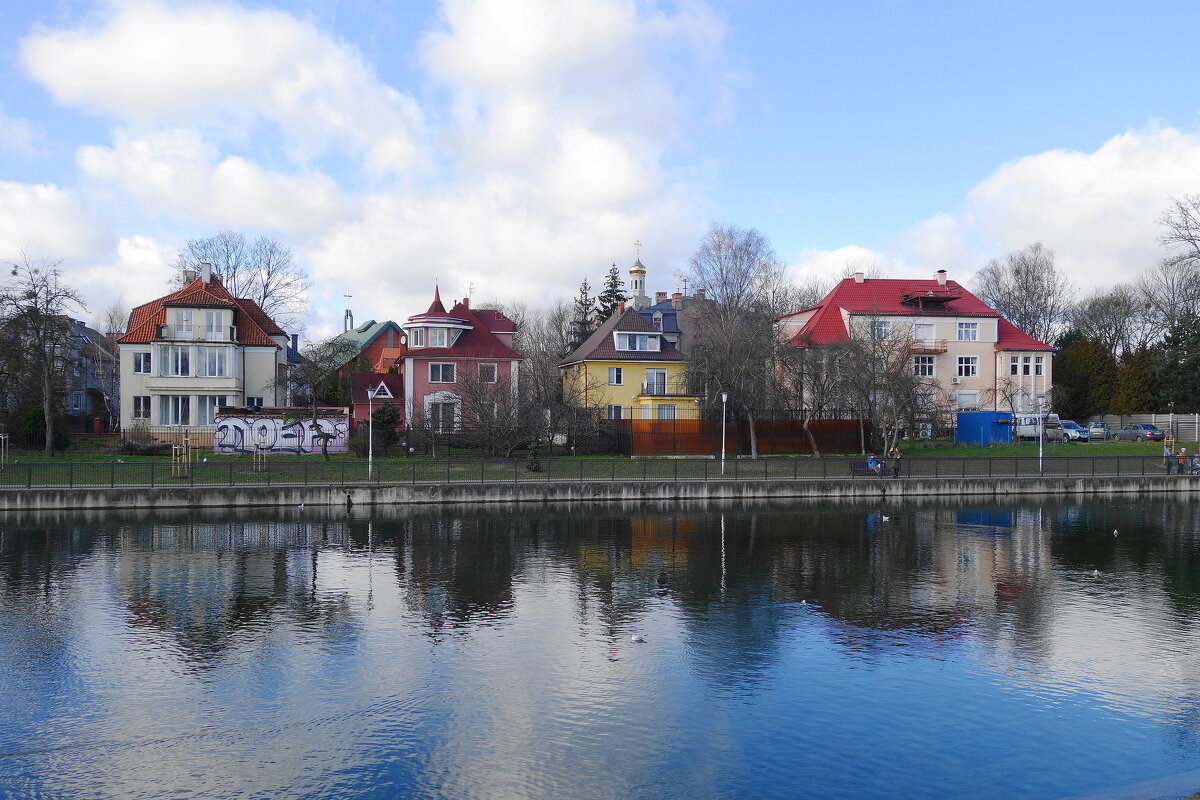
(583, 316)
(612, 294)
(1137, 384)
(1179, 366)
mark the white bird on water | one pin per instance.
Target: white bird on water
(1095, 573)
(885, 519)
(1114, 531)
(637, 638)
(301, 506)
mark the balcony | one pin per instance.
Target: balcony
(665, 389)
(190, 333)
(929, 345)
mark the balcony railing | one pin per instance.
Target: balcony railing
(665, 388)
(930, 345)
(193, 333)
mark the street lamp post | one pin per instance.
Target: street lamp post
(1041, 433)
(371, 431)
(724, 424)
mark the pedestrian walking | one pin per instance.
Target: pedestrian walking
(896, 455)
(1168, 457)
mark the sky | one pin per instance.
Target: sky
(510, 148)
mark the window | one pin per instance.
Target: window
(416, 337)
(968, 331)
(880, 328)
(614, 412)
(76, 401)
(968, 366)
(656, 381)
(615, 378)
(141, 363)
(1025, 365)
(1014, 365)
(206, 411)
(441, 373)
(212, 362)
(666, 412)
(437, 337)
(183, 322)
(254, 402)
(658, 320)
(175, 360)
(141, 407)
(923, 366)
(968, 401)
(212, 326)
(1039, 362)
(175, 410)
(636, 341)
(487, 373)
(442, 417)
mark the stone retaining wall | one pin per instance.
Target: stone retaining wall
(570, 491)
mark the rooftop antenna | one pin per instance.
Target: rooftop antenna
(470, 289)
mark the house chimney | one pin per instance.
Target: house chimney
(699, 294)
(859, 277)
(659, 297)
(940, 277)
(677, 299)
(621, 307)
(296, 342)
(206, 271)
(466, 302)
(189, 275)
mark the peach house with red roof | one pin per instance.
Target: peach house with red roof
(445, 348)
(978, 359)
(188, 353)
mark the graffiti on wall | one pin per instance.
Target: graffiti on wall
(240, 434)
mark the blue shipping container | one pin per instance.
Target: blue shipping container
(984, 427)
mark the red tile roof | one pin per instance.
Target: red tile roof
(362, 383)
(887, 297)
(253, 326)
(600, 346)
(478, 342)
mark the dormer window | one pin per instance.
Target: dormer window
(658, 320)
(637, 341)
(437, 337)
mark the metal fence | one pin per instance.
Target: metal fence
(244, 472)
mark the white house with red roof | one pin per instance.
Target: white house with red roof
(978, 359)
(444, 349)
(186, 354)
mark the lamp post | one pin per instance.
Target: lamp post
(724, 400)
(371, 431)
(1041, 432)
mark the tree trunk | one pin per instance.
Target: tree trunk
(46, 403)
(812, 440)
(320, 434)
(753, 434)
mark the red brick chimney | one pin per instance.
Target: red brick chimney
(621, 307)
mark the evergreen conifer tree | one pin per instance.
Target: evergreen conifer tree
(612, 294)
(583, 315)
(1179, 366)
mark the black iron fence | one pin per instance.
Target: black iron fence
(246, 472)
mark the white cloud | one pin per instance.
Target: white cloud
(150, 63)
(135, 273)
(179, 172)
(1098, 211)
(18, 135)
(45, 221)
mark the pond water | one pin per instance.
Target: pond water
(820, 650)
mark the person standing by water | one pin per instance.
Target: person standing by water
(1168, 457)
(1181, 460)
(875, 464)
(895, 455)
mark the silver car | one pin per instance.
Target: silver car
(1098, 430)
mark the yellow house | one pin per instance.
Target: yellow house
(630, 370)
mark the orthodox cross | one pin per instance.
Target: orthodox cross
(637, 249)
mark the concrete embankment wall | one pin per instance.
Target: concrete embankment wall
(408, 494)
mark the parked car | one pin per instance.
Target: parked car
(1139, 432)
(1029, 426)
(1098, 430)
(1074, 431)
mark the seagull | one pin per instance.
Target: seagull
(637, 638)
(1095, 573)
(120, 461)
(301, 506)
(204, 461)
(1114, 531)
(885, 519)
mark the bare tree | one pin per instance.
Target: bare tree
(734, 346)
(1120, 318)
(495, 419)
(877, 374)
(1028, 290)
(34, 310)
(263, 271)
(314, 375)
(115, 319)
(1171, 289)
(810, 383)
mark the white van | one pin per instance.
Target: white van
(1029, 426)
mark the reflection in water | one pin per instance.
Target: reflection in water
(791, 650)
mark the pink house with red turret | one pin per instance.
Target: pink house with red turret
(445, 349)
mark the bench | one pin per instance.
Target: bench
(858, 468)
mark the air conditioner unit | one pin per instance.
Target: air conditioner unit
(956, 379)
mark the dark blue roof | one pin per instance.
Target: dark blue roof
(668, 311)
